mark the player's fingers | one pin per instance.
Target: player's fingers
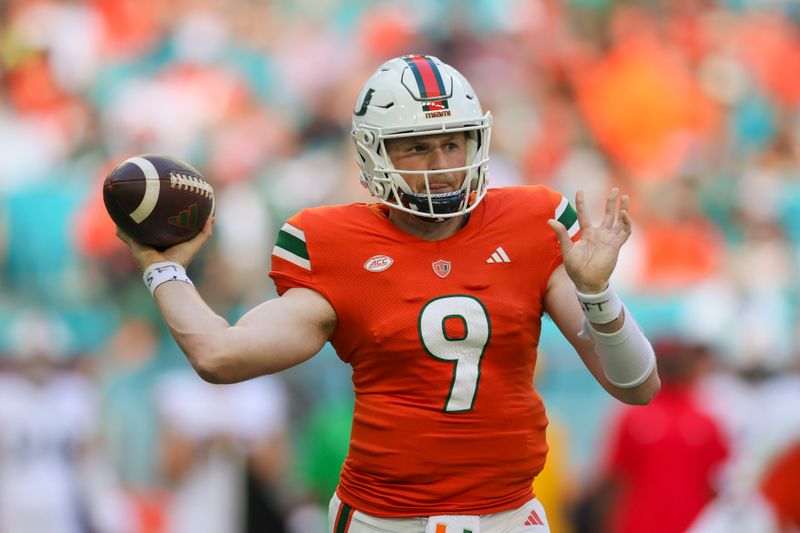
(136, 247)
(622, 227)
(200, 239)
(624, 202)
(620, 222)
(209, 225)
(208, 229)
(121, 235)
(626, 224)
(185, 251)
(194, 244)
(561, 234)
(142, 255)
(205, 234)
(580, 209)
(611, 207)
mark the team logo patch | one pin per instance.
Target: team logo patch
(441, 268)
(436, 109)
(378, 263)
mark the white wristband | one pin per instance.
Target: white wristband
(602, 307)
(159, 273)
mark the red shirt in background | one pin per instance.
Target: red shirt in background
(663, 457)
(781, 486)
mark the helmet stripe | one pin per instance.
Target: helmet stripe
(429, 79)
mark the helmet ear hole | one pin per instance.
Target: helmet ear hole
(365, 136)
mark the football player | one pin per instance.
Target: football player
(434, 294)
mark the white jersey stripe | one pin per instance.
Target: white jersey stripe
(503, 254)
(292, 258)
(296, 232)
(561, 207)
(573, 229)
(496, 258)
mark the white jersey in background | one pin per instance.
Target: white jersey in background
(46, 432)
(223, 424)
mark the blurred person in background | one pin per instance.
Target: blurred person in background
(223, 454)
(448, 431)
(125, 371)
(754, 394)
(780, 486)
(663, 462)
(54, 474)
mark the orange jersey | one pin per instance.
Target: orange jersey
(442, 338)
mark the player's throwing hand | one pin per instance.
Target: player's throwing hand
(590, 261)
(181, 253)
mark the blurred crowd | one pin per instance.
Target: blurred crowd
(690, 106)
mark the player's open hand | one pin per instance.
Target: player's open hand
(181, 253)
(590, 261)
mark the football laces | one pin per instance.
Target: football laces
(193, 184)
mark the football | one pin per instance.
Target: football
(158, 200)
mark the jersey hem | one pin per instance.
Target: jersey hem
(424, 511)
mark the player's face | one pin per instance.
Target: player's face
(430, 152)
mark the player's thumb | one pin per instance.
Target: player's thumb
(560, 231)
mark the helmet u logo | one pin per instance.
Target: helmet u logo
(367, 97)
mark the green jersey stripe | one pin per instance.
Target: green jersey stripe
(283, 253)
(566, 214)
(292, 243)
(572, 230)
(568, 217)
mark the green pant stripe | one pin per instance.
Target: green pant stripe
(344, 519)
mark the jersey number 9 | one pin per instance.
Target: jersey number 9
(465, 349)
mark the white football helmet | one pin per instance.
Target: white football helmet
(418, 95)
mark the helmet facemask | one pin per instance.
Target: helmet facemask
(390, 108)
